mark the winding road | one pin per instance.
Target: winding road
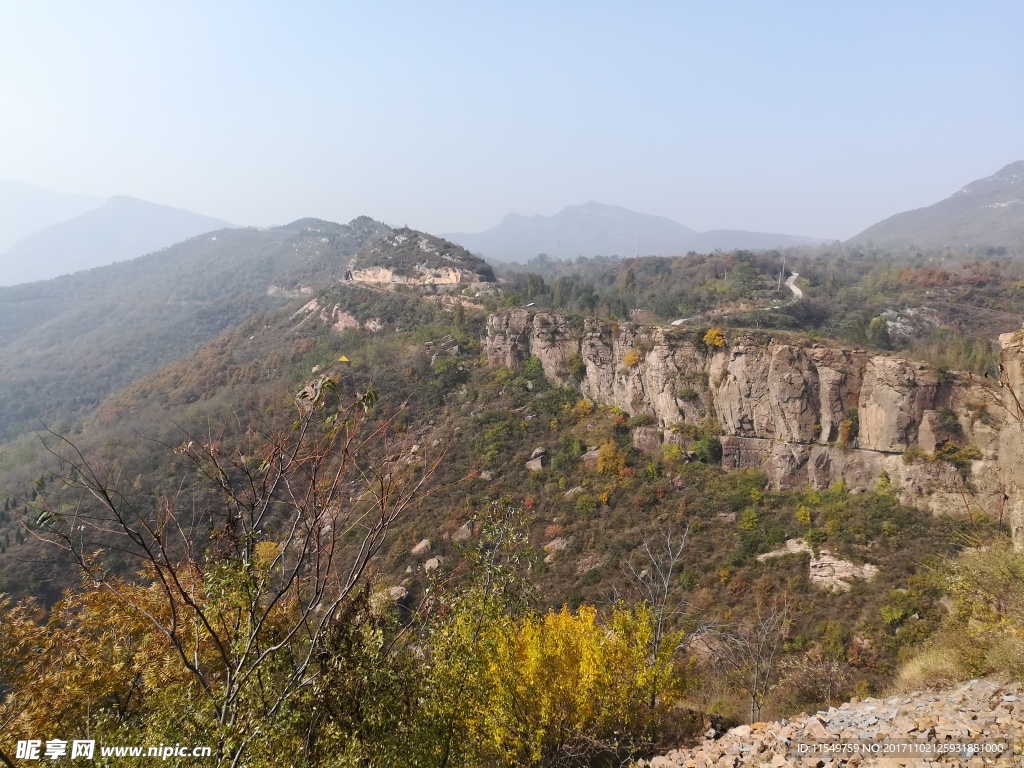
(791, 284)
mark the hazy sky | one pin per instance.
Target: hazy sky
(812, 118)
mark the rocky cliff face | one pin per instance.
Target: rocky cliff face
(421, 274)
(808, 413)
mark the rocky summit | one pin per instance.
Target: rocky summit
(915, 729)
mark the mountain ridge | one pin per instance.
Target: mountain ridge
(26, 208)
(984, 213)
(597, 229)
(122, 228)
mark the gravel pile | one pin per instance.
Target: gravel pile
(915, 729)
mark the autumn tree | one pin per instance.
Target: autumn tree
(249, 564)
(654, 576)
(714, 338)
(752, 649)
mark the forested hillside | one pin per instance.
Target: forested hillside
(451, 561)
(66, 344)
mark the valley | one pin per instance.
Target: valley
(377, 417)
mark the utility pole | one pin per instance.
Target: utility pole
(638, 245)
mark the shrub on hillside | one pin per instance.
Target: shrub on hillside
(984, 632)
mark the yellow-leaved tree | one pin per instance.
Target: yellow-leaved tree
(567, 682)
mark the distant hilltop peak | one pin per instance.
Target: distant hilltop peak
(361, 225)
(413, 257)
(1013, 170)
(986, 213)
(599, 229)
(1012, 175)
(126, 200)
(311, 224)
(122, 228)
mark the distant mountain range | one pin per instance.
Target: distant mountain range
(988, 212)
(594, 229)
(121, 228)
(25, 208)
(45, 234)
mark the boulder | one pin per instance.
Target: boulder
(556, 545)
(648, 440)
(826, 571)
(553, 547)
(422, 548)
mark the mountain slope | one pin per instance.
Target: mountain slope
(67, 343)
(988, 212)
(594, 229)
(123, 228)
(584, 520)
(25, 208)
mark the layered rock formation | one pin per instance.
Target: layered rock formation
(809, 413)
(422, 274)
(408, 257)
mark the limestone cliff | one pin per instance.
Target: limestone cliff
(422, 274)
(405, 256)
(808, 413)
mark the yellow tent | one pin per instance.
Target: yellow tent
(344, 359)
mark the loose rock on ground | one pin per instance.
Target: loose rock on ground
(979, 711)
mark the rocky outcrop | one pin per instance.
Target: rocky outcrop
(405, 256)
(826, 571)
(1010, 440)
(919, 728)
(895, 395)
(808, 413)
(421, 274)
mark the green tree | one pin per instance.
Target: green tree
(535, 286)
(878, 333)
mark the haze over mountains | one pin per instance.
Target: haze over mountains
(988, 212)
(24, 208)
(122, 228)
(47, 234)
(594, 229)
